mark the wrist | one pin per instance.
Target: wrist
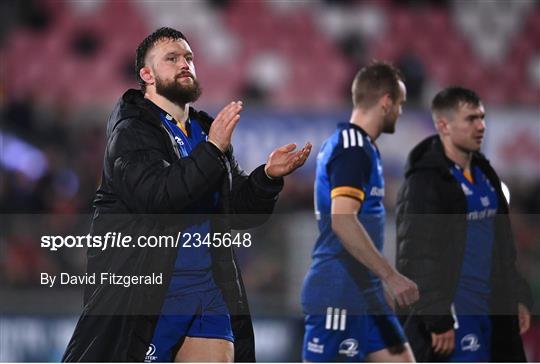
(268, 175)
(215, 145)
(387, 274)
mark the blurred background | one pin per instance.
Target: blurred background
(64, 64)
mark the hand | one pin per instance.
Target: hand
(220, 133)
(443, 343)
(402, 288)
(524, 318)
(284, 160)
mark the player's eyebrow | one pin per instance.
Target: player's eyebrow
(176, 53)
(476, 116)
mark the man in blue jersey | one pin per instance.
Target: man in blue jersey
(165, 157)
(455, 242)
(347, 316)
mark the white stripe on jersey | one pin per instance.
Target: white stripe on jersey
(343, 319)
(360, 140)
(336, 319)
(328, 324)
(345, 139)
(353, 137)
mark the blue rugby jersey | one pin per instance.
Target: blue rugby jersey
(348, 164)
(474, 284)
(193, 265)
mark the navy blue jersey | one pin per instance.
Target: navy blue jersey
(474, 284)
(193, 266)
(348, 164)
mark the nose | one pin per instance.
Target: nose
(481, 125)
(183, 63)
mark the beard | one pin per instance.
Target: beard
(178, 93)
(389, 124)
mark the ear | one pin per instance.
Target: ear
(146, 75)
(386, 103)
(441, 123)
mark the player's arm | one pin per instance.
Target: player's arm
(357, 242)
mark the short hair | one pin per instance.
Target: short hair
(148, 43)
(451, 97)
(374, 81)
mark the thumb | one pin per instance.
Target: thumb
(287, 148)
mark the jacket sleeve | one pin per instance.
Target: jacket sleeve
(253, 196)
(419, 227)
(522, 291)
(144, 178)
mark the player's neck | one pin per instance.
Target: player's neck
(367, 120)
(458, 156)
(180, 113)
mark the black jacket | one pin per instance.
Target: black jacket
(147, 189)
(431, 236)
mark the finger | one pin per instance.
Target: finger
(231, 113)
(229, 128)
(445, 345)
(297, 155)
(219, 116)
(435, 342)
(400, 300)
(451, 345)
(306, 151)
(523, 324)
(287, 148)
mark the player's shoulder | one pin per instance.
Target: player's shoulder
(351, 136)
(350, 139)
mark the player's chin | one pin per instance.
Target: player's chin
(477, 145)
(390, 129)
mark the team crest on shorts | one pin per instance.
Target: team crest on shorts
(348, 347)
(150, 354)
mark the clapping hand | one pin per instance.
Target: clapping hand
(285, 160)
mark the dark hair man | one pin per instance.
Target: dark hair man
(455, 241)
(164, 157)
(347, 317)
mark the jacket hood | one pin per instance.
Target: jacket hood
(429, 154)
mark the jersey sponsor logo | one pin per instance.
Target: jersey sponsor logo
(348, 347)
(336, 319)
(466, 190)
(470, 343)
(485, 201)
(150, 354)
(315, 347)
(351, 138)
(377, 191)
(179, 140)
(481, 214)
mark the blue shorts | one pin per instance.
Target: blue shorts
(473, 339)
(341, 337)
(199, 314)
